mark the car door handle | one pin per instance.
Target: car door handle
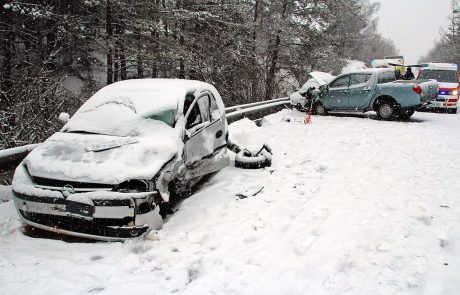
(367, 90)
(219, 133)
(344, 92)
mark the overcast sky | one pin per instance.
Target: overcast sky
(413, 25)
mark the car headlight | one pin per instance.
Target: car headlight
(455, 92)
(134, 186)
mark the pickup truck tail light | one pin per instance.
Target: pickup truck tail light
(417, 89)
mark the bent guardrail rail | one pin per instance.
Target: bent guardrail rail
(10, 159)
(254, 104)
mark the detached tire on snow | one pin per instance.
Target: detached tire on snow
(246, 160)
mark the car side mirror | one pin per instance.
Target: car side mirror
(63, 118)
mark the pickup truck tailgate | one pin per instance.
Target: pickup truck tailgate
(429, 89)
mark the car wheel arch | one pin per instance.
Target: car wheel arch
(381, 99)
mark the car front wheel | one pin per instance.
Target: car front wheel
(320, 109)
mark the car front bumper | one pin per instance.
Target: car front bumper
(99, 215)
(443, 102)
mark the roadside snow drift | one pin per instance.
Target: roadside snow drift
(351, 205)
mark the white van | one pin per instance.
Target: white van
(448, 82)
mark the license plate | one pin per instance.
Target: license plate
(80, 208)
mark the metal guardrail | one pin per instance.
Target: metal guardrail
(254, 104)
(11, 158)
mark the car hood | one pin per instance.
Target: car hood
(94, 158)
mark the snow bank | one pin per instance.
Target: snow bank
(351, 205)
(241, 133)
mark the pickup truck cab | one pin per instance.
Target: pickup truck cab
(448, 82)
(375, 90)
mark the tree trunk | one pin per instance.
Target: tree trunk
(109, 31)
(7, 50)
(140, 65)
(254, 92)
(271, 73)
(121, 47)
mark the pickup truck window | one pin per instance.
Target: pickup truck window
(340, 82)
(387, 77)
(359, 79)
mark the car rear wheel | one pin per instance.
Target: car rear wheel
(320, 109)
(406, 114)
(386, 110)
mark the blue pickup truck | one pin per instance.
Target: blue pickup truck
(375, 90)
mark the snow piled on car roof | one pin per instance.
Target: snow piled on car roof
(147, 95)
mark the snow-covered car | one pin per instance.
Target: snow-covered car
(302, 98)
(126, 151)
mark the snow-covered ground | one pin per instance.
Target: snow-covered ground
(351, 205)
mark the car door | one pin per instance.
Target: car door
(360, 91)
(204, 136)
(337, 96)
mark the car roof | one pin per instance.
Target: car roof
(149, 95)
(370, 71)
(366, 71)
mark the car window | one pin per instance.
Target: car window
(386, 77)
(194, 118)
(359, 79)
(448, 76)
(166, 116)
(340, 82)
(215, 113)
(204, 104)
(189, 98)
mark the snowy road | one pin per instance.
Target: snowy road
(351, 205)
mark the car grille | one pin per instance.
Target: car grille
(82, 186)
(97, 227)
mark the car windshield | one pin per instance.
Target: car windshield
(448, 76)
(118, 119)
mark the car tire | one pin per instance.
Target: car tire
(246, 160)
(453, 111)
(320, 109)
(386, 110)
(406, 113)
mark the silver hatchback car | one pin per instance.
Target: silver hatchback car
(124, 153)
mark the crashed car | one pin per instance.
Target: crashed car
(126, 151)
(302, 98)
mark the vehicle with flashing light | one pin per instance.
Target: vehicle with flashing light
(448, 82)
(375, 90)
(121, 157)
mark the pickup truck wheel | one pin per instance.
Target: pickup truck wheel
(386, 110)
(320, 109)
(406, 114)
